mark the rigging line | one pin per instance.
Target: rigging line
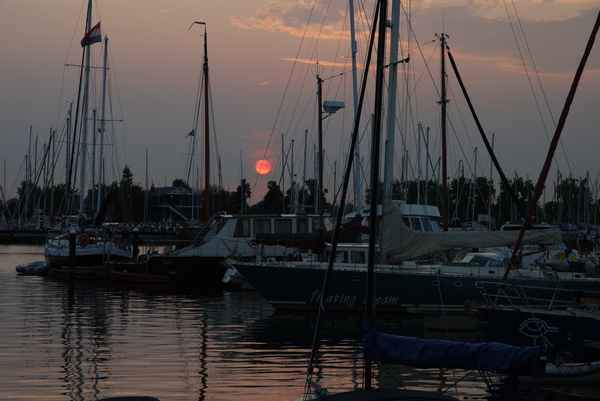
(120, 104)
(69, 47)
(539, 79)
(287, 85)
(316, 47)
(461, 116)
(340, 213)
(197, 104)
(414, 35)
(450, 121)
(362, 165)
(14, 185)
(196, 111)
(115, 152)
(216, 138)
(530, 82)
(293, 121)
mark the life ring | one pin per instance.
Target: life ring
(83, 240)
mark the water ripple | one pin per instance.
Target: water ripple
(83, 341)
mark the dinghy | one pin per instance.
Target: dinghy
(38, 268)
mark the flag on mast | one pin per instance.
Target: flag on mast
(94, 35)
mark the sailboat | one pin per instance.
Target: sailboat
(244, 237)
(410, 286)
(79, 245)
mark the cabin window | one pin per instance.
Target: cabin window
(283, 226)
(407, 222)
(435, 226)
(302, 224)
(341, 257)
(242, 228)
(262, 226)
(357, 257)
(417, 224)
(427, 225)
(316, 224)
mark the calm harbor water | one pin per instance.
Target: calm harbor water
(84, 341)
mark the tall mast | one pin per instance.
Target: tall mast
(427, 161)
(242, 185)
(53, 164)
(28, 164)
(491, 187)
(315, 175)
(68, 148)
(92, 200)
(84, 115)
(388, 169)
(283, 172)
(304, 169)
(207, 205)
(419, 134)
(294, 184)
(102, 125)
(358, 195)
(474, 185)
(146, 190)
(319, 207)
(35, 157)
(375, 155)
(443, 103)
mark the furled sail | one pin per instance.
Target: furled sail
(434, 353)
(400, 243)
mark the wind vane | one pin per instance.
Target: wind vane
(196, 23)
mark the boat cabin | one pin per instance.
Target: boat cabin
(417, 217)
(349, 253)
(254, 226)
(483, 259)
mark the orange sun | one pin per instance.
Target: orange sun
(263, 167)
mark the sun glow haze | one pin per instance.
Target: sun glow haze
(263, 167)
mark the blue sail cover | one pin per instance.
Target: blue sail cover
(422, 353)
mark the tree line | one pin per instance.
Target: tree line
(568, 200)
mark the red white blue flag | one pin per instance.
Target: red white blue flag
(94, 35)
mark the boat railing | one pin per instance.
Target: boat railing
(517, 295)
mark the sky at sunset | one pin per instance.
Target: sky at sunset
(257, 48)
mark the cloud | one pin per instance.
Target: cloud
(322, 63)
(533, 10)
(298, 18)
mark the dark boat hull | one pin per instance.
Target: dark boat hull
(298, 288)
(562, 329)
(182, 272)
(80, 260)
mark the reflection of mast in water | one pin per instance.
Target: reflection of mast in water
(356, 369)
(101, 351)
(72, 355)
(84, 317)
(203, 358)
